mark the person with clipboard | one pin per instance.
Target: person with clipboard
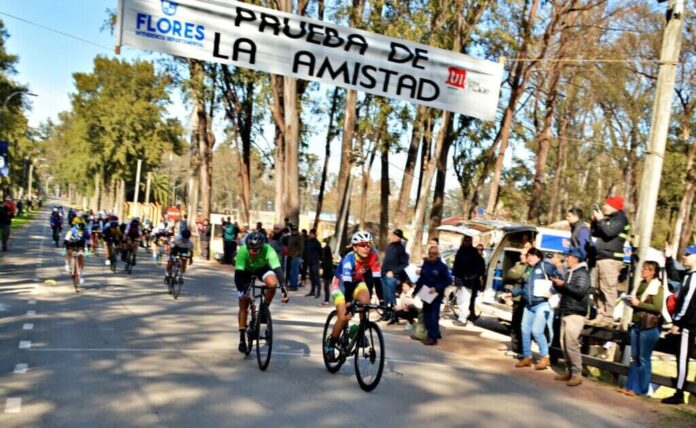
(430, 287)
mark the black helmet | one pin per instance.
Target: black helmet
(186, 234)
(255, 241)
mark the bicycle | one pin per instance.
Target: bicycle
(258, 321)
(130, 257)
(365, 343)
(75, 271)
(176, 277)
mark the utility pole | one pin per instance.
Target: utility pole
(657, 140)
(30, 178)
(137, 181)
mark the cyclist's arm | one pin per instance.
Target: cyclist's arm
(274, 264)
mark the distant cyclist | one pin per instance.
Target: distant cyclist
(354, 280)
(76, 240)
(112, 236)
(181, 246)
(259, 259)
(133, 233)
(56, 222)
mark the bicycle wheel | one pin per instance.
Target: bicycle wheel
(178, 281)
(264, 337)
(251, 330)
(369, 356)
(75, 270)
(333, 362)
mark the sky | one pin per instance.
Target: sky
(47, 60)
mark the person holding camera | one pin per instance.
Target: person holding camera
(610, 227)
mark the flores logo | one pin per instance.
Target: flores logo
(169, 7)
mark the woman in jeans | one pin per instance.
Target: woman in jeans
(645, 330)
(537, 311)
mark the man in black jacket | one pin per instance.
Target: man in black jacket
(395, 261)
(684, 319)
(610, 226)
(312, 254)
(468, 269)
(574, 290)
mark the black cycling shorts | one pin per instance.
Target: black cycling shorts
(242, 278)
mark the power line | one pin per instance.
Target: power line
(56, 31)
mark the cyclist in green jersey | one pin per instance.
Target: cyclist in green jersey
(256, 258)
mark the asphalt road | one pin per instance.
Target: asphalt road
(124, 353)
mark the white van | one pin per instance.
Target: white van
(504, 241)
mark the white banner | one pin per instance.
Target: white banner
(244, 35)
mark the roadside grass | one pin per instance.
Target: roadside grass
(19, 222)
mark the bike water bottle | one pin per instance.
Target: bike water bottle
(353, 330)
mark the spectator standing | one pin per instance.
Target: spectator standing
(610, 226)
(468, 269)
(684, 319)
(574, 292)
(259, 228)
(229, 241)
(313, 252)
(645, 329)
(204, 237)
(518, 274)
(295, 251)
(436, 275)
(537, 310)
(395, 261)
(327, 271)
(303, 266)
(580, 236)
(6, 214)
(20, 208)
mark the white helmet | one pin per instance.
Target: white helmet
(361, 236)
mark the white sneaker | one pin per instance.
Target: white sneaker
(67, 268)
(107, 262)
(82, 280)
(408, 327)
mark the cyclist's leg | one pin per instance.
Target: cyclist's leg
(271, 280)
(81, 259)
(184, 263)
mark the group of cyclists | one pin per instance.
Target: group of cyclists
(87, 232)
(353, 281)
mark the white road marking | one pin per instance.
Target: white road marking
(21, 368)
(28, 326)
(32, 302)
(31, 313)
(25, 344)
(13, 405)
(4, 308)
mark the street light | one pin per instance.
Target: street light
(15, 93)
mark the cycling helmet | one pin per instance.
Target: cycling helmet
(186, 234)
(55, 210)
(255, 241)
(361, 236)
(101, 214)
(136, 219)
(80, 213)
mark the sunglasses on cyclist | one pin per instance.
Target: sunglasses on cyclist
(363, 244)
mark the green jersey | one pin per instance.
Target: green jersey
(266, 257)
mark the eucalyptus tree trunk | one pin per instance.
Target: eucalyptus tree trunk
(330, 135)
(411, 159)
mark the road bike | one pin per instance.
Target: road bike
(129, 258)
(75, 271)
(364, 341)
(259, 325)
(175, 279)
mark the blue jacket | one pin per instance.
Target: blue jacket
(434, 274)
(526, 289)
